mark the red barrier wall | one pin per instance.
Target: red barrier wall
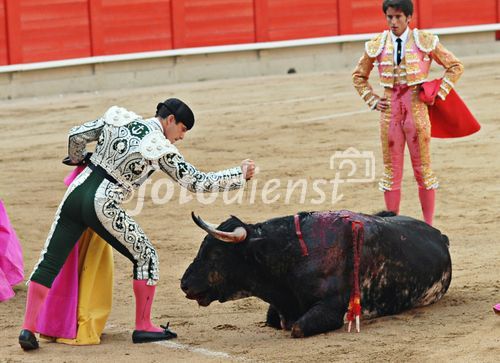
(203, 23)
(447, 13)
(43, 30)
(40, 30)
(498, 19)
(130, 26)
(4, 59)
(295, 19)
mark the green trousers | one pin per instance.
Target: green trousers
(93, 201)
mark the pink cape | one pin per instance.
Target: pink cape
(58, 317)
(11, 257)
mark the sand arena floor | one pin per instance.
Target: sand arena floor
(291, 126)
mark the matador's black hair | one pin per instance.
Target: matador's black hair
(406, 6)
(181, 111)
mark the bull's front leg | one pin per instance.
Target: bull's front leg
(324, 316)
(277, 320)
(273, 317)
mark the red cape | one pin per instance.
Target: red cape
(451, 117)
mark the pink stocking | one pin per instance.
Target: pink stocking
(392, 199)
(144, 295)
(34, 302)
(427, 200)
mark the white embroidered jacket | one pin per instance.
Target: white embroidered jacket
(131, 148)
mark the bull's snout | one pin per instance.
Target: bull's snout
(185, 278)
(184, 285)
(195, 291)
(192, 293)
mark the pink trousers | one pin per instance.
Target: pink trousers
(406, 122)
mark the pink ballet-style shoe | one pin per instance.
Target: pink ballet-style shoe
(496, 309)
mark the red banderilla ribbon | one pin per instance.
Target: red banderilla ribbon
(354, 309)
(303, 246)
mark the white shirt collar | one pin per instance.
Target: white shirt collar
(403, 37)
(155, 120)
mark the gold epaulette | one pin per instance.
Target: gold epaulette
(425, 41)
(374, 47)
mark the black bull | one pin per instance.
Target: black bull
(404, 263)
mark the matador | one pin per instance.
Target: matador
(129, 149)
(403, 57)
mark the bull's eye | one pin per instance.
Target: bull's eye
(215, 254)
(214, 278)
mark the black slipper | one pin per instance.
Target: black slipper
(27, 340)
(142, 336)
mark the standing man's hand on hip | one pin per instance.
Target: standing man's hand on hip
(382, 104)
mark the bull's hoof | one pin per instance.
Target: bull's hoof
(273, 318)
(286, 324)
(297, 332)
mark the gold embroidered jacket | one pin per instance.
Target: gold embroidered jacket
(422, 47)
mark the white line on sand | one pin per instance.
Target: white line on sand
(238, 107)
(334, 115)
(202, 351)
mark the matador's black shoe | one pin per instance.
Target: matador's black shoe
(27, 340)
(142, 336)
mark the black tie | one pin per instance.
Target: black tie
(398, 54)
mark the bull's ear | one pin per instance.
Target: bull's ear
(255, 233)
(257, 246)
(238, 220)
(257, 249)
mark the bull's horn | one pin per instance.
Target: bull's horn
(238, 235)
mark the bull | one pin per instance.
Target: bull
(304, 267)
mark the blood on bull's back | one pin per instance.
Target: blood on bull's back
(404, 262)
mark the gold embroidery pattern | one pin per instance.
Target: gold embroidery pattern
(422, 124)
(454, 68)
(374, 47)
(386, 67)
(417, 61)
(425, 41)
(386, 182)
(360, 77)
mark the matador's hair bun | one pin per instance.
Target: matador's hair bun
(181, 111)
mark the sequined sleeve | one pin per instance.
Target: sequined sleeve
(197, 181)
(453, 68)
(360, 77)
(80, 136)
